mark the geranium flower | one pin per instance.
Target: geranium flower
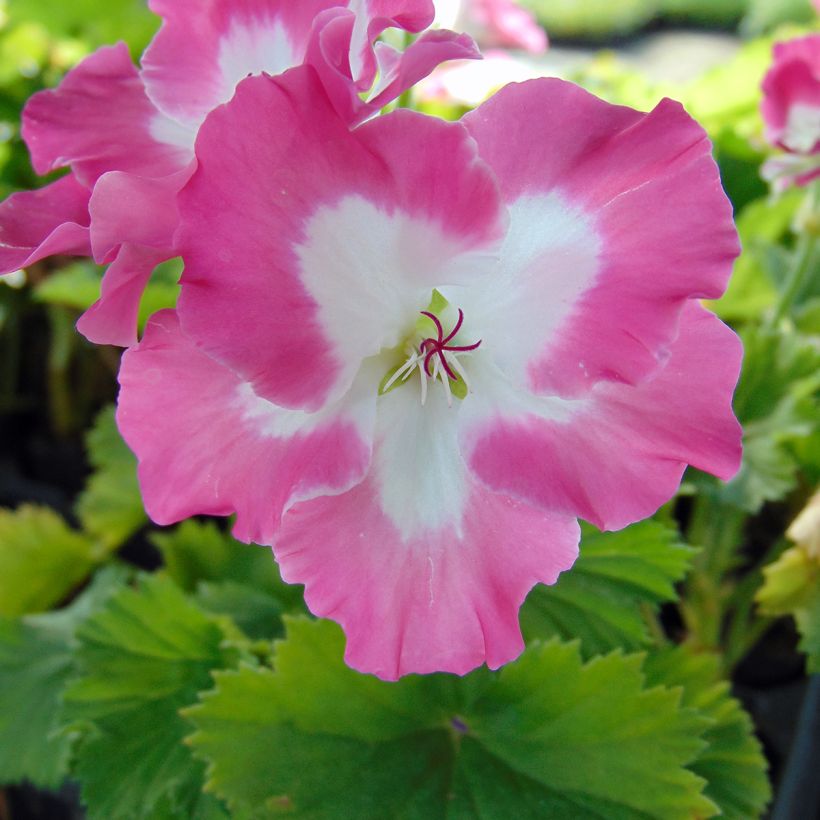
(791, 111)
(494, 23)
(128, 135)
(410, 355)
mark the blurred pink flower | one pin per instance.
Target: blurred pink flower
(410, 355)
(791, 111)
(494, 23)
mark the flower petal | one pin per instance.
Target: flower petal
(333, 239)
(112, 319)
(617, 455)
(36, 224)
(424, 569)
(99, 119)
(208, 445)
(372, 17)
(206, 47)
(617, 218)
(135, 209)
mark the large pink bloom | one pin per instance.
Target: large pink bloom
(128, 135)
(791, 111)
(409, 356)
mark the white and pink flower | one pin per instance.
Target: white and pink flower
(791, 111)
(128, 135)
(410, 355)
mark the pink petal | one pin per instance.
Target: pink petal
(134, 209)
(424, 569)
(36, 224)
(112, 319)
(372, 17)
(417, 61)
(206, 47)
(333, 240)
(617, 218)
(207, 445)
(618, 455)
(99, 119)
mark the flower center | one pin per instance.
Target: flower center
(437, 359)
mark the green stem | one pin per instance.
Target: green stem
(716, 528)
(59, 362)
(803, 263)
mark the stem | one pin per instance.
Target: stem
(717, 528)
(803, 263)
(59, 362)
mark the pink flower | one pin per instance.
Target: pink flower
(791, 111)
(128, 135)
(410, 355)
(494, 23)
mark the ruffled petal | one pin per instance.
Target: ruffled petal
(617, 218)
(207, 444)
(36, 224)
(618, 454)
(206, 47)
(99, 119)
(423, 567)
(333, 239)
(372, 17)
(112, 319)
(126, 208)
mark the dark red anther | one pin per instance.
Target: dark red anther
(441, 344)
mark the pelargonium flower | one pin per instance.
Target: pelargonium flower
(791, 111)
(411, 355)
(128, 135)
(494, 23)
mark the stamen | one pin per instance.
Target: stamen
(436, 358)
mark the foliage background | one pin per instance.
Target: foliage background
(150, 673)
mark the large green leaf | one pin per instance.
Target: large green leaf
(732, 763)
(617, 577)
(110, 506)
(142, 657)
(548, 736)
(36, 661)
(42, 559)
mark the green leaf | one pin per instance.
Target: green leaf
(792, 587)
(77, 285)
(762, 224)
(546, 737)
(255, 611)
(36, 661)
(42, 559)
(142, 657)
(732, 763)
(199, 551)
(601, 600)
(110, 507)
(776, 403)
